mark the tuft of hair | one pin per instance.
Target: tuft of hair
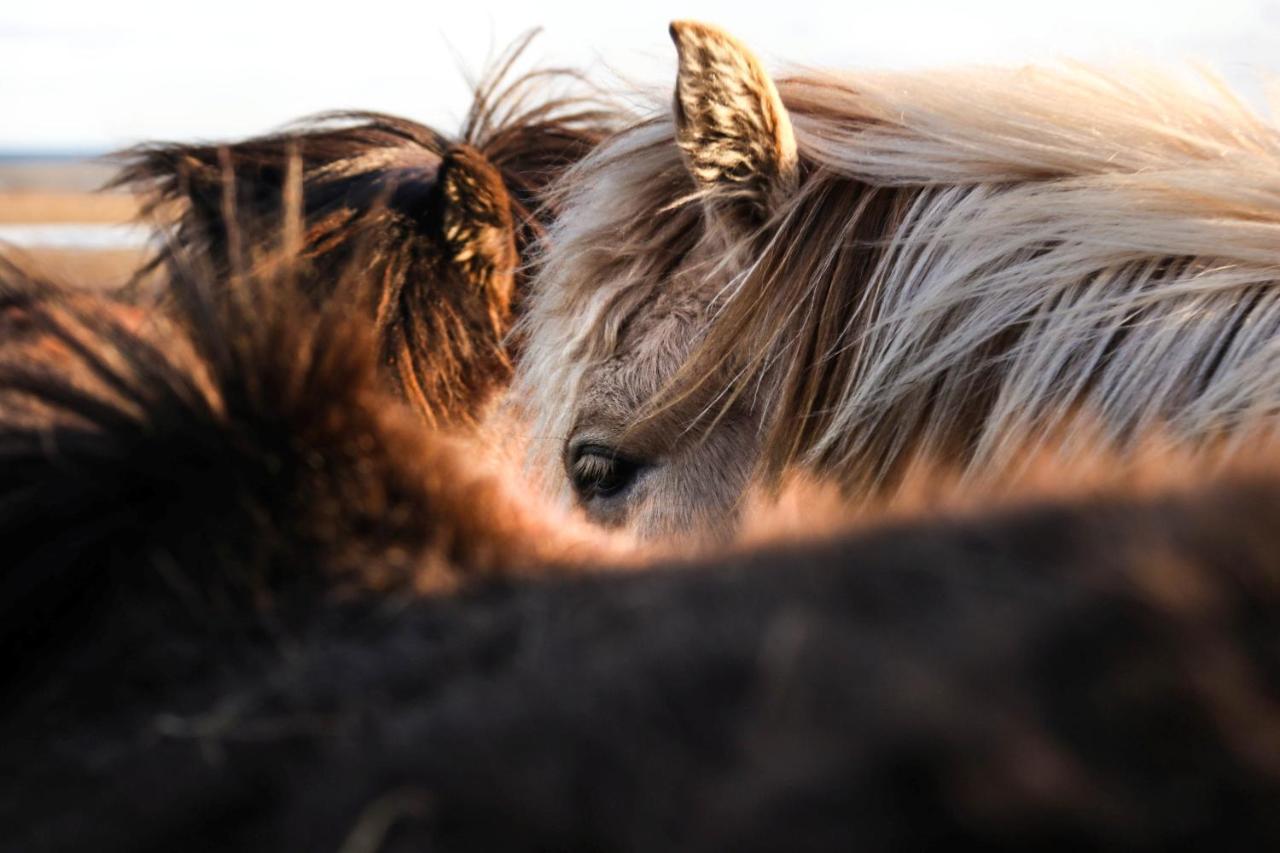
(437, 225)
(970, 257)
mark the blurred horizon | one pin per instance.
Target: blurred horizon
(78, 79)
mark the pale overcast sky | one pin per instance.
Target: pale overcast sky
(94, 74)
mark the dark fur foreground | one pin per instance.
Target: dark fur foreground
(439, 226)
(215, 535)
(244, 452)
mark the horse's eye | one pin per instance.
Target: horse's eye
(599, 472)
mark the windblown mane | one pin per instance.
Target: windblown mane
(972, 258)
(404, 204)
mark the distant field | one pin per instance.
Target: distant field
(97, 268)
(24, 206)
(57, 175)
(61, 192)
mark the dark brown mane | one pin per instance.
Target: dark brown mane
(401, 204)
(532, 138)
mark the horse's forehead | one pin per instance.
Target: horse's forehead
(675, 310)
(652, 345)
(660, 333)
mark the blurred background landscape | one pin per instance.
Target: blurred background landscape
(53, 217)
(81, 79)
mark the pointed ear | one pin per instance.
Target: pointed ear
(476, 225)
(731, 126)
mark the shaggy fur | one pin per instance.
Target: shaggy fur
(1077, 677)
(243, 453)
(967, 260)
(436, 226)
(211, 616)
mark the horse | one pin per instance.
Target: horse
(249, 603)
(188, 437)
(846, 273)
(403, 203)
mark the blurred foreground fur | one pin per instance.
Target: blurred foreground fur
(218, 531)
(438, 226)
(223, 454)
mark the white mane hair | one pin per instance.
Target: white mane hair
(970, 257)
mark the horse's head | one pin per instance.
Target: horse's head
(435, 224)
(657, 223)
(851, 275)
(429, 221)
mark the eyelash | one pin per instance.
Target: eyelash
(600, 472)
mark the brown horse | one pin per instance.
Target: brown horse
(214, 634)
(847, 273)
(436, 225)
(237, 449)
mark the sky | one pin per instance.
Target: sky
(92, 75)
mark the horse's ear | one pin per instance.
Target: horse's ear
(476, 223)
(731, 126)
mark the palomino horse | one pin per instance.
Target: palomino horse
(848, 272)
(405, 205)
(215, 636)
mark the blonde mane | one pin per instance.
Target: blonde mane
(971, 258)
